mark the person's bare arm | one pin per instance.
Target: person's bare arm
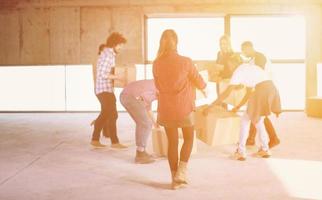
(220, 99)
(224, 95)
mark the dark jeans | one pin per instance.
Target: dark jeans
(269, 129)
(173, 142)
(107, 117)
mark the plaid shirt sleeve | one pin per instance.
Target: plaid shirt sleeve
(105, 64)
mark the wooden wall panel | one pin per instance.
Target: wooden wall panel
(65, 35)
(95, 27)
(9, 37)
(130, 22)
(35, 37)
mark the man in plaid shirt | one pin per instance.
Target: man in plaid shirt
(104, 91)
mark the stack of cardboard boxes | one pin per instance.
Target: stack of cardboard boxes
(218, 127)
(160, 142)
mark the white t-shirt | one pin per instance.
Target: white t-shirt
(248, 75)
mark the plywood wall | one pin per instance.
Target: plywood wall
(69, 32)
(35, 43)
(10, 37)
(96, 25)
(65, 35)
(129, 21)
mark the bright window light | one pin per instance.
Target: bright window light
(32, 88)
(80, 93)
(280, 37)
(198, 37)
(301, 178)
(291, 88)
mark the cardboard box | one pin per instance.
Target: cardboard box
(160, 142)
(129, 74)
(235, 96)
(219, 127)
(314, 107)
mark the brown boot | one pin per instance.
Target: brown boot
(143, 158)
(273, 139)
(118, 146)
(181, 175)
(97, 144)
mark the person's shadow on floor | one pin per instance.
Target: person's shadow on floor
(149, 183)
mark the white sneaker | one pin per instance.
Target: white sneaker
(239, 156)
(263, 154)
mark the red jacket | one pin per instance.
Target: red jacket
(176, 78)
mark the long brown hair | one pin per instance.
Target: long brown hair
(168, 42)
(226, 38)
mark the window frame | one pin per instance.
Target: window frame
(227, 31)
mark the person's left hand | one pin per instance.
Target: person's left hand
(235, 109)
(204, 93)
(217, 103)
(156, 125)
(206, 111)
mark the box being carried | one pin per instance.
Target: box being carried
(129, 74)
(160, 142)
(219, 127)
(235, 97)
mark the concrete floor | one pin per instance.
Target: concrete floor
(47, 156)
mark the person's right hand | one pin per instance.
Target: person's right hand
(121, 76)
(206, 110)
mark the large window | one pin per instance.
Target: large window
(279, 37)
(32, 88)
(51, 88)
(282, 40)
(198, 37)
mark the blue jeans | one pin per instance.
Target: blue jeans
(139, 114)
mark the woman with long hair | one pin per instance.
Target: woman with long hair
(176, 79)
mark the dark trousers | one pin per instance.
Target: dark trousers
(107, 117)
(269, 129)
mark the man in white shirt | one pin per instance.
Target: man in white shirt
(262, 98)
